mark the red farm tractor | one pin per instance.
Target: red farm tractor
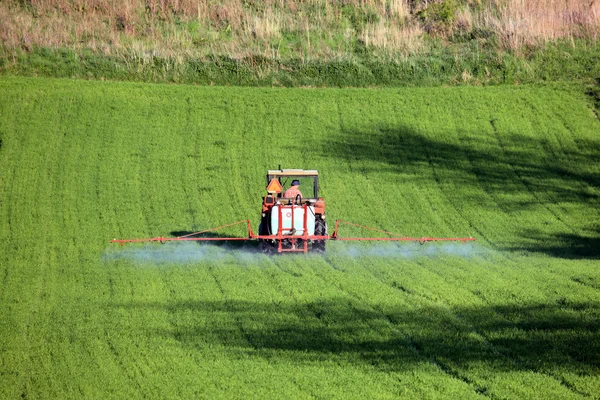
(291, 222)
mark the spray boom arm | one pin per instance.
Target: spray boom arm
(334, 236)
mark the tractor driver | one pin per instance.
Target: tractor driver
(294, 190)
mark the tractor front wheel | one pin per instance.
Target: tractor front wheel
(265, 246)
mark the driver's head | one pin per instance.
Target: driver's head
(295, 182)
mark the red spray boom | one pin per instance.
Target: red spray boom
(289, 222)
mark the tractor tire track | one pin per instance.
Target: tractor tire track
(414, 346)
(477, 388)
(300, 388)
(369, 198)
(497, 352)
(478, 178)
(583, 183)
(582, 282)
(449, 201)
(7, 191)
(548, 148)
(500, 352)
(108, 339)
(247, 337)
(525, 184)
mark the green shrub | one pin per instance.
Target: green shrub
(438, 17)
(359, 17)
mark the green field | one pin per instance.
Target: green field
(515, 314)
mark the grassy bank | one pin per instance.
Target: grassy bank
(312, 43)
(556, 62)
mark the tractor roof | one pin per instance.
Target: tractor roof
(292, 172)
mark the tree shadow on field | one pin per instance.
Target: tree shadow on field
(565, 245)
(563, 336)
(509, 172)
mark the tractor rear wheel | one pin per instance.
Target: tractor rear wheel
(266, 247)
(320, 230)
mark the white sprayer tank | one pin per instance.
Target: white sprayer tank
(298, 221)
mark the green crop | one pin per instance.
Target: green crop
(513, 315)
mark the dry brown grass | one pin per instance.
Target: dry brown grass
(405, 39)
(519, 23)
(245, 27)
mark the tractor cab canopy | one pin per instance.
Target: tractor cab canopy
(309, 181)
